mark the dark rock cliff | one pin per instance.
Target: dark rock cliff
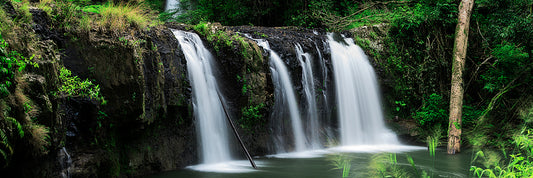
(149, 113)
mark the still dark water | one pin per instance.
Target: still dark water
(322, 165)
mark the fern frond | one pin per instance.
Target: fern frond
(17, 124)
(5, 141)
(5, 156)
(6, 147)
(479, 154)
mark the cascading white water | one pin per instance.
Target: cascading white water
(172, 4)
(65, 162)
(358, 100)
(284, 94)
(210, 119)
(308, 84)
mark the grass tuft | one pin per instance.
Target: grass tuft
(122, 16)
(39, 137)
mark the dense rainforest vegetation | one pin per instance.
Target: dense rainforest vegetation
(414, 64)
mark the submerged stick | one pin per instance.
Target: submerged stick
(237, 134)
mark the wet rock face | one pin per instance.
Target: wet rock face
(149, 99)
(283, 42)
(138, 81)
(148, 117)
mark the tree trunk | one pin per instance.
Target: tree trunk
(456, 95)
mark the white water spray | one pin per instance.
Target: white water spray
(358, 100)
(65, 162)
(308, 83)
(211, 122)
(172, 4)
(284, 95)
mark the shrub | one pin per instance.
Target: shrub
(74, 86)
(511, 61)
(518, 164)
(434, 111)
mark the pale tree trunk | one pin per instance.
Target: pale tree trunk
(456, 95)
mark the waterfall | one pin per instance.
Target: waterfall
(65, 162)
(358, 100)
(172, 4)
(210, 119)
(284, 97)
(313, 129)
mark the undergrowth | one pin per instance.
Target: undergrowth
(72, 86)
(19, 133)
(118, 18)
(519, 163)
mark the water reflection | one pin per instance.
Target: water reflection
(442, 165)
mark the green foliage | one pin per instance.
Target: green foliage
(471, 115)
(501, 67)
(245, 86)
(11, 62)
(92, 8)
(386, 165)
(262, 35)
(399, 105)
(6, 150)
(241, 12)
(8, 62)
(230, 12)
(64, 15)
(84, 15)
(10, 130)
(225, 39)
(520, 164)
(433, 140)
(246, 49)
(158, 5)
(434, 114)
(251, 116)
(417, 55)
(22, 8)
(18, 47)
(100, 119)
(434, 111)
(342, 162)
(119, 17)
(511, 61)
(74, 86)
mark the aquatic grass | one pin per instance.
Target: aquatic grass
(433, 139)
(433, 142)
(386, 165)
(342, 162)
